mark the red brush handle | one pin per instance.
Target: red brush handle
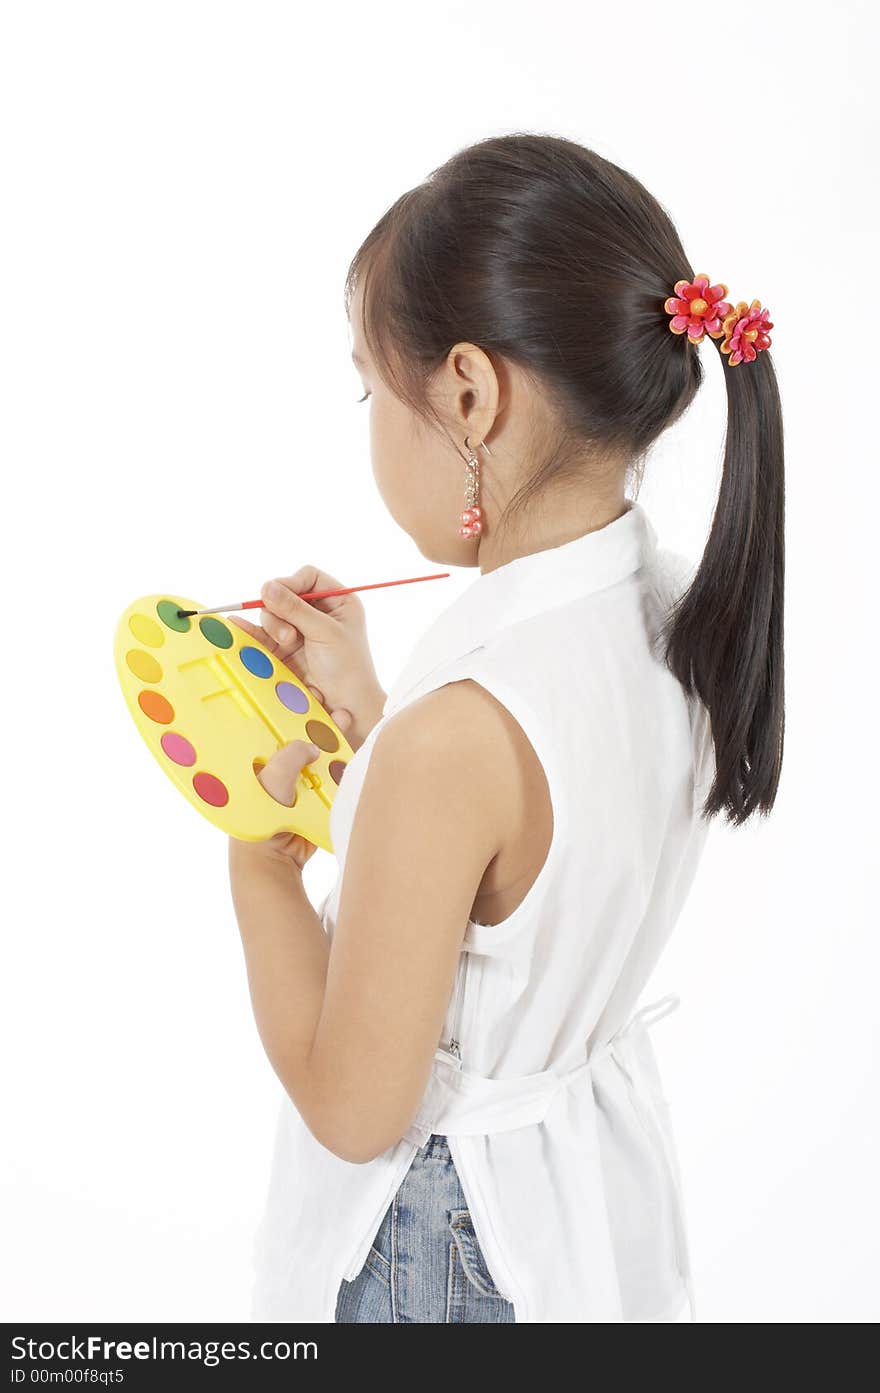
(350, 589)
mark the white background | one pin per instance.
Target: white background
(183, 185)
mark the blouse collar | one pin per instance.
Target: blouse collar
(524, 587)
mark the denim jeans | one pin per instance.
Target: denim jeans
(425, 1264)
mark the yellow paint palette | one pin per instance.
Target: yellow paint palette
(214, 705)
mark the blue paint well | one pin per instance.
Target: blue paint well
(260, 664)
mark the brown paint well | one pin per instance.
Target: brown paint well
(322, 736)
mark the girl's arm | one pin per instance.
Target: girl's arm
(286, 952)
(351, 1028)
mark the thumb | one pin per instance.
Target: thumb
(279, 775)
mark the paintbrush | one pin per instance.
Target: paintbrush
(310, 595)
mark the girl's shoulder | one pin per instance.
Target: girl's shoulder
(460, 732)
(464, 751)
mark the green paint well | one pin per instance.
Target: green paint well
(167, 612)
(216, 632)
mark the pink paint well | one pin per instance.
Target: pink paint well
(178, 748)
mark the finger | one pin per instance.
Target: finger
(343, 719)
(310, 578)
(248, 627)
(284, 602)
(284, 634)
(319, 696)
(280, 773)
(258, 632)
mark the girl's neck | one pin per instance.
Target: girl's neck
(563, 524)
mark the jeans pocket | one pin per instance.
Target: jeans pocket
(379, 1265)
(471, 1254)
(366, 1299)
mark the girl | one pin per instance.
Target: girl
(473, 1127)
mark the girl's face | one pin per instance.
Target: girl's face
(420, 473)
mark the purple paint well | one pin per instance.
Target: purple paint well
(293, 697)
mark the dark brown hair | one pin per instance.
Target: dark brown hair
(542, 252)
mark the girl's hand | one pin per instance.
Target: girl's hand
(324, 643)
(279, 777)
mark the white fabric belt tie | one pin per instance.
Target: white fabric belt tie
(460, 1103)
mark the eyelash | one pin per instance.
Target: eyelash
(364, 397)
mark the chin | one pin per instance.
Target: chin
(448, 554)
(430, 550)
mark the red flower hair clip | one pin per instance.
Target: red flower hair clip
(698, 308)
(745, 332)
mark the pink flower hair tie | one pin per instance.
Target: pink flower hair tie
(698, 308)
(745, 333)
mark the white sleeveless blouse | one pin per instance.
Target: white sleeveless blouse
(545, 1081)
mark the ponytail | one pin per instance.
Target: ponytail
(724, 636)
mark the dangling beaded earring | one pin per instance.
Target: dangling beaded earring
(472, 516)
